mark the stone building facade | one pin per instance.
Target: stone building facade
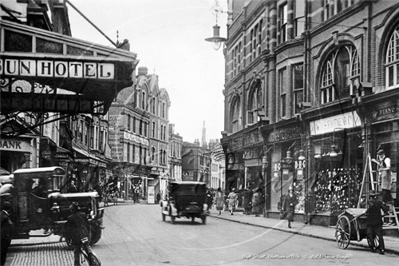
(311, 92)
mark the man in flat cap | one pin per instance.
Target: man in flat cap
(374, 221)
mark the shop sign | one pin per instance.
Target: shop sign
(284, 134)
(252, 138)
(386, 110)
(90, 161)
(134, 138)
(329, 124)
(15, 145)
(57, 69)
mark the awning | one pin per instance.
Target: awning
(83, 156)
(62, 153)
(81, 152)
(74, 76)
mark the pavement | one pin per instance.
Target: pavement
(31, 251)
(321, 232)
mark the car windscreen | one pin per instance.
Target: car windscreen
(184, 189)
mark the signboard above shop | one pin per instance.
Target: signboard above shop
(43, 71)
(332, 123)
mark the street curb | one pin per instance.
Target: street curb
(300, 233)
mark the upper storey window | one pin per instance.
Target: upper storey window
(142, 100)
(254, 104)
(333, 7)
(299, 17)
(256, 41)
(235, 114)
(339, 73)
(392, 61)
(237, 59)
(283, 18)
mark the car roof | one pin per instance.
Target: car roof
(37, 170)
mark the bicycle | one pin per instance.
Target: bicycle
(87, 254)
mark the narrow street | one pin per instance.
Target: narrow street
(136, 235)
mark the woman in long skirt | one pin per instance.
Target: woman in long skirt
(290, 202)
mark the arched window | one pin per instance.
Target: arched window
(339, 73)
(392, 61)
(254, 104)
(143, 100)
(235, 114)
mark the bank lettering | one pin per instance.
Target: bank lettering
(15, 145)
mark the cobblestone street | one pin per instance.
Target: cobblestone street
(41, 255)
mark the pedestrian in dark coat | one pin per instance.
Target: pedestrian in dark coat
(158, 197)
(78, 227)
(6, 230)
(374, 221)
(290, 201)
(219, 201)
(209, 200)
(256, 202)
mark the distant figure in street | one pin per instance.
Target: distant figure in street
(219, 200)
(72, 187)
(78, 228)
(256, 202)
(6, 230)
(232, 197)
(209, 199)
(158, 197)
(289, 203)
(374, 221)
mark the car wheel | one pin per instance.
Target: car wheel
(95, 235)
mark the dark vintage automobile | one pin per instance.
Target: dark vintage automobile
(38, 203)
(185, 199)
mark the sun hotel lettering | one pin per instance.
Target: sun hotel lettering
(57, 69)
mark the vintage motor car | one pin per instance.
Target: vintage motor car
(185, 199)
(38, 203)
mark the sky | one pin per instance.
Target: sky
(168, 38)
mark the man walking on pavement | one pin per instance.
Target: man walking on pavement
(6, 230)
(374, 221)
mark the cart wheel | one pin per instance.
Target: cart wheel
(343, 232)
(376, 242)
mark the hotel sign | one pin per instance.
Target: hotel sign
(329, 124)
(57, 69)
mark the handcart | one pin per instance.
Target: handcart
(352, 225)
